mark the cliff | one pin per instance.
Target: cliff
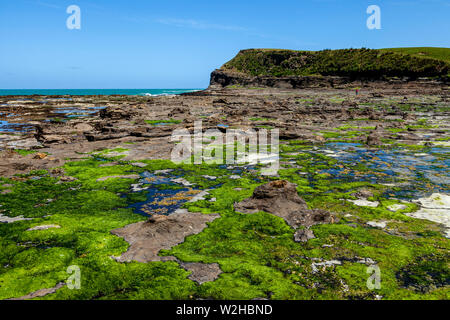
(297, 69)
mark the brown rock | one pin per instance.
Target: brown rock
(374, 139)
(83, 127)
(202, 272)
(117, 113)
(303, 235)
(146, 239)
(156, 218)
(319, 138)
(281, 199)
(67, 179)
(53, 138)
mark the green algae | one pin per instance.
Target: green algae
(161, 122)
(85, 209)
(111, 154)
(344, 134)
(259, 119)
(24, 152)
(256, 252)
(426, 273)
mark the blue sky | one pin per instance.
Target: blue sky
(176, 44)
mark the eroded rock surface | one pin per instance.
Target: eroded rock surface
(147, 238)
(202, 272)
(280, 198)
(298, 114)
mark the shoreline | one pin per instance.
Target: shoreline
(62, 93)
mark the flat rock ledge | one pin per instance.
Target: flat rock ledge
(147, 238)
(280, 198)
(202, 272)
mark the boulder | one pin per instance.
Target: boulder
(374, 139)
(280, 198)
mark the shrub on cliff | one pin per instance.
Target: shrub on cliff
(355, 63)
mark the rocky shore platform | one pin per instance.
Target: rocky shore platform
(364, 181)
(66, 127)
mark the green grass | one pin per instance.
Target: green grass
(24, 152)
(157, 122)
(346, 62)
(56, 120)
(429, 52)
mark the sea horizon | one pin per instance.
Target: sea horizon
(88, 92)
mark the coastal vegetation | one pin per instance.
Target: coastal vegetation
(356, 63)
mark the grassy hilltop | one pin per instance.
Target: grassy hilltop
(430, 52)
(370, 63)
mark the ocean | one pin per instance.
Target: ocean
(86, 92)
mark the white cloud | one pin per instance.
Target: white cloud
(195, 24)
